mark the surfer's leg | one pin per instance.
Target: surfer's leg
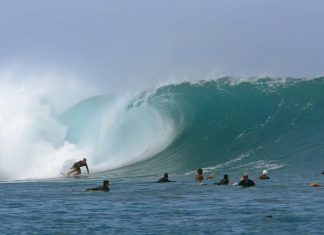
(76, 171)
(71, 171)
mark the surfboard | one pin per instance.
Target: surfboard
(74, 176)
(67, 176)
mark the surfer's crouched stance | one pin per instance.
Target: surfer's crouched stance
(77, 167)
(104, 187)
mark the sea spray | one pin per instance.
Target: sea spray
(32, 140)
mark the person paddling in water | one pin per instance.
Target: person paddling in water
(165, 179)
(104, 187)
(76, 168)
(245, 181)
(224, 181)
(199, 176)
(264, 175)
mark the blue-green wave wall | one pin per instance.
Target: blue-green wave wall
(222, 123)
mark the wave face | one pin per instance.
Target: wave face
(266, 123)
(220, 124)
(262, 124)
(118, 131)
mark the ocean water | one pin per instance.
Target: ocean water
(283, 205)
(223, 126)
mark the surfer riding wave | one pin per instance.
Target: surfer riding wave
(76, 168)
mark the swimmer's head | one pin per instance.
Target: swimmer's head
(315, 184)
(245, 175)
(265, 172)
(166, 175)
(84, 159)
(199, 171)
(106, 182)
(225, 176)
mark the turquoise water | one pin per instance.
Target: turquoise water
(222, 126)
(267, 123)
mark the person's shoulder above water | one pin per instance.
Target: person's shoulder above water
(165, 179)
(199, 177)
(104, 187)
(246, 182)
(264, 175)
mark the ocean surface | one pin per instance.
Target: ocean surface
(224, 126)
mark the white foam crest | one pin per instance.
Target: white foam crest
(221, 165)
(32, 140)
(260, 164)
(214, 168)
(272, 82)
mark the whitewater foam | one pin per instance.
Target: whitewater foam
(32, 140)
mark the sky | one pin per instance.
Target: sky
(128, 44)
